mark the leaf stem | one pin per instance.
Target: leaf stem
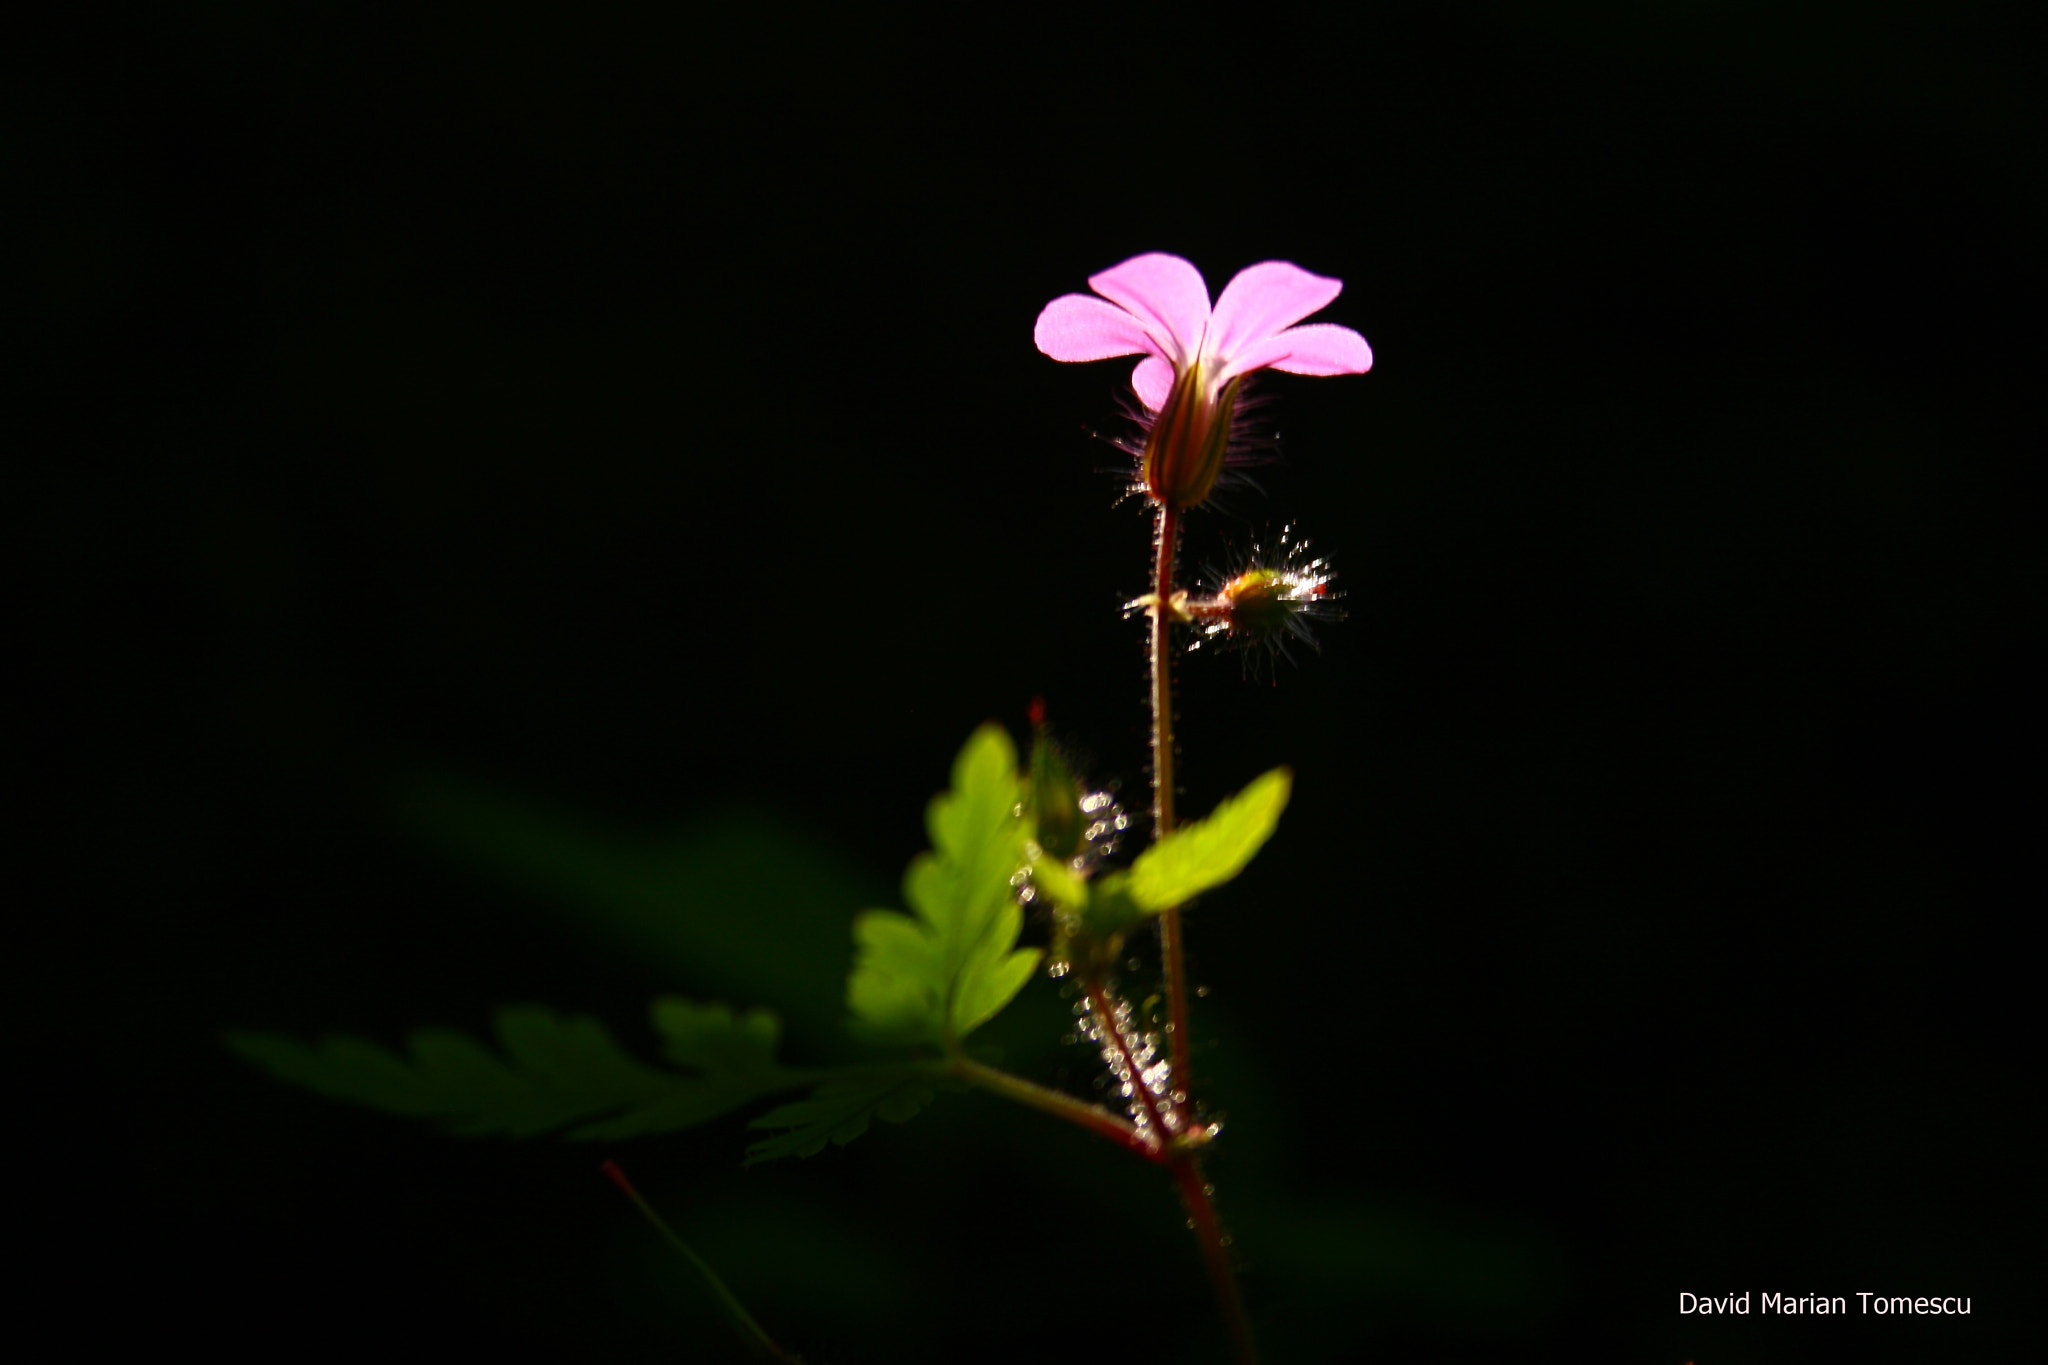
(758, 1342)
(1171, 946)
(1093, 1117)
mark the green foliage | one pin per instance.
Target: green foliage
(937, 977)
(838, 1112)
(551, 1072)
(1199, 856)
(925, 979)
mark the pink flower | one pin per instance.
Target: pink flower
(1157, 306)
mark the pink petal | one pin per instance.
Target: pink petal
(1153, 379)
(1261, 300)
(1166, 294)
(1319, 348)
(1077, 327)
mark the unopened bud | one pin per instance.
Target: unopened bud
(1069, 823)
(1055, 801)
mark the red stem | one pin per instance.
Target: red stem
(1194, 1191)
(1170, 944)
(1155, 1124)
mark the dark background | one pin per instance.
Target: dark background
(539, 496)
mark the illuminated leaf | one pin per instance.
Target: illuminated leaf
(959, 952)
(1204, 854)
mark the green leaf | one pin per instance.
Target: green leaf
(551, 1071)
(838, 1112)
(1204, 854)
(1109, 909)
(960, 951)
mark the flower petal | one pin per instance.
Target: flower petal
(1319, 348)
(1077, 327)
(1166, 294)
(1153, 379)
(1262, 299)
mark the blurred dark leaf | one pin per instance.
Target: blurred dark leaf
(556, 1070)
(837, 1112)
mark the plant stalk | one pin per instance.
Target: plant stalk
(1187, 1171)
(1164, 1123)
(1194, 1192)
(1172, 949)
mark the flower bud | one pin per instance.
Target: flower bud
(1068, 822)
(1189, 437)
(1055, 802)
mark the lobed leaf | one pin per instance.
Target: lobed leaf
(550, 1072)
(959, 952)
(837, 1112)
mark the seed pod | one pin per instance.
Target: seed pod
(1268, 602)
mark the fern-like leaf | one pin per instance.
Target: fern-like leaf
(837, 1112)
(550, 1072)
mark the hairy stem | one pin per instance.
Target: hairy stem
(1093, 1117)
(1159, 1124)
(1187, 1171)
(1170, 944)
(1194, 1192)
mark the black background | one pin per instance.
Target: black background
(516, 463)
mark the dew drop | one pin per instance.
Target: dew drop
(1202, 991)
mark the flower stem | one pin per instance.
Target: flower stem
(1170, 944)
(1194, 1192)
(1187, 1171)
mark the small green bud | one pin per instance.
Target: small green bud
(1054, 803)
